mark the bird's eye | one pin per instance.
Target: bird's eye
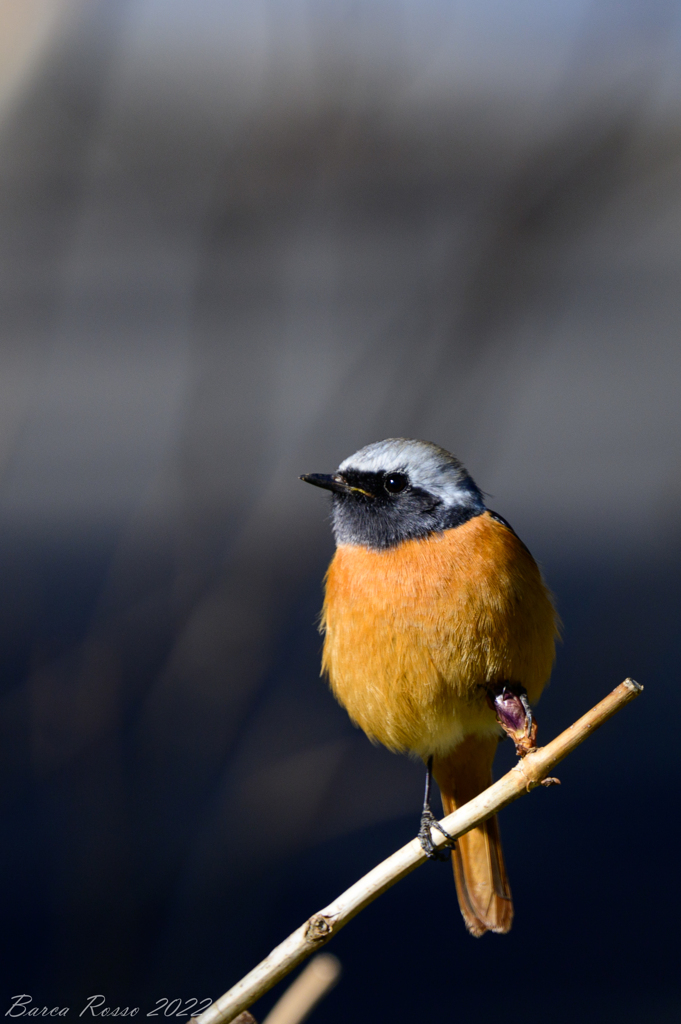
(395, 482)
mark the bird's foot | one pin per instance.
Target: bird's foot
(514, 715)
(433, 852)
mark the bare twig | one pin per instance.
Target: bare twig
(311, 985)
(532, 771)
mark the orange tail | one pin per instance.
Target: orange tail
(479, 871)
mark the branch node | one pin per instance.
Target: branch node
(319, 928)
(524, 762)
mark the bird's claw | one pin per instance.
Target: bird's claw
(433, 852)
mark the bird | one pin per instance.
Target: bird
(439, 636)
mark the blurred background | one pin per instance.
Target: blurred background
(239, 240)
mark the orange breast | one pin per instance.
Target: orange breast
(414, 634)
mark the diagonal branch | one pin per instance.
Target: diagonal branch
(532, 771)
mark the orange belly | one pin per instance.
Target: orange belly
(414, 634)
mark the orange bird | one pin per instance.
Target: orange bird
(439, 633)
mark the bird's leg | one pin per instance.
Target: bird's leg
(428, 821)
(514, 715)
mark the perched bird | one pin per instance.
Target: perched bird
(439, 633)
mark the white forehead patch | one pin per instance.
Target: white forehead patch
(428, 467)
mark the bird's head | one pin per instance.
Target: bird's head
(397, 490)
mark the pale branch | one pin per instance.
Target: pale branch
(533, 770)
(311, 985)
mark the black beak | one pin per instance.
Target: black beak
(330, 483)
